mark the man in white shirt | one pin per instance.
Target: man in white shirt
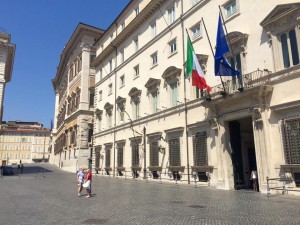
(80, 179)
(254, 180)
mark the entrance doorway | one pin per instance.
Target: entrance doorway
(242, 152)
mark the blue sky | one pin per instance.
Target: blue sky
(40, 29)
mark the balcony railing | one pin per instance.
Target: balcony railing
(240, 83)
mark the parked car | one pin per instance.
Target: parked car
(8, 170)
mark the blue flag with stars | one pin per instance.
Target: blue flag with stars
(222, 68)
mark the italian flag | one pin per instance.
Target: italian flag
(193, 68)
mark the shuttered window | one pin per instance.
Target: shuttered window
(291, 140)
(174, 148)
(120, 156)
(200, 149)
(154, 153)
(135, 154)
(107, 158)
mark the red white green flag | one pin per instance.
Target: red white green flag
(193, 68)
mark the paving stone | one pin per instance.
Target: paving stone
(50, 197)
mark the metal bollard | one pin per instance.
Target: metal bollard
(268, 189)
(160, 178)
(176, 178)
(195, 182)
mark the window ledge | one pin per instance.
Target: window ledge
(173, 53)
(228, 19)
(153, 66)
(136, 77)
(197, 38)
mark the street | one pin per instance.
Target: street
(45, 195)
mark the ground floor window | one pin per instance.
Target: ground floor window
(291, 140)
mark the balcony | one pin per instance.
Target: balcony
(239, 84)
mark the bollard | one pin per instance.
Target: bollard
(160, 178)
(195, 180)
(176, 174)
(268, 189)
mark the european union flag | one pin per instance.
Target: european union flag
(222, 68)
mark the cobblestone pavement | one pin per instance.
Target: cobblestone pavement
(50, 197)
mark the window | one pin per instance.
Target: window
(120, 155)
(110, 66)
(289, 47)
(136, 44)
(154, 59)
(122, 81)
(200, 149)
(173, 47)
(171, 14)
(100, 96)
(135, 153)
(136, 11)
(109, 118)
(92, 96)
(122, 56)
(123, 25)
(196, 31)
(98, 120)
(99, 74)
(136, 71)
(154, 159)
(194, 2)
(174, 94)
(291, 141)
(136, 109)
(153, 29)
(154, 101)
(107, 157)
(174, 148)
(230, 8)
(110, 89)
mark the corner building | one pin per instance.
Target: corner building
(7, 56)
(74, 110)
(150, 121)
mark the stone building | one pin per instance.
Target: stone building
(24, 142)
(73, 86)
(150, 121)
(7, 55)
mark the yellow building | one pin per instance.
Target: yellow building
(23, 142)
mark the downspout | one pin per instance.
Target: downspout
(184, 86)
(115, 108)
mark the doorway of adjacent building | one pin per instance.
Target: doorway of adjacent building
(242, 152)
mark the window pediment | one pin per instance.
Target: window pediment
(171, 74)
(134, 92)
(279, 12)
(152, 83)
(120, 100)
(108, 106)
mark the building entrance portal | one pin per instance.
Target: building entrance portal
(242, 152)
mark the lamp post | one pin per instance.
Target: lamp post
(145, 171)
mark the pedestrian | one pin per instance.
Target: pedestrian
(22, 167)
(88, 181)
(80, 179)
(254, 179)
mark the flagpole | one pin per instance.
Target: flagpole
(212, 52)
(229, 45)
(185, 110)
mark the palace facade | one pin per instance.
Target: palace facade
(150, 122)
